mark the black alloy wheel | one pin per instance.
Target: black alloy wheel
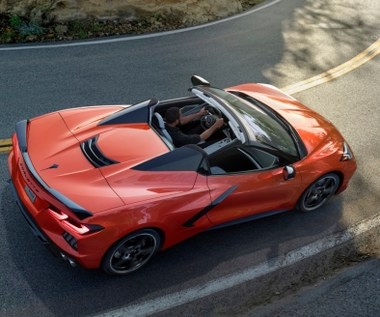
(132, 252)
(319, 192)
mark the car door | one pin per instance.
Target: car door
(241, 188)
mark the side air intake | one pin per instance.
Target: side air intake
(93, 154)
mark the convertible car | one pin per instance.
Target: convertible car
(105, 187)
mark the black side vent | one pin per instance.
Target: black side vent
(93, 153)
(71, 240)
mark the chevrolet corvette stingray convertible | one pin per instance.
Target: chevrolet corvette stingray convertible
(105, 187)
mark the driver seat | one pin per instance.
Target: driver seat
(159, 123)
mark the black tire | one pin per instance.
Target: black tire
(319, 192)
(131, 252)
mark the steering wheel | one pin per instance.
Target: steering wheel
(210, 117)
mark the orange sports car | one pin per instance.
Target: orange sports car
(105, 187)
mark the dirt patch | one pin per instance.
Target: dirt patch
(21, 29)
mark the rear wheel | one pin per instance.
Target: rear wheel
(319, 192)
(131, 252)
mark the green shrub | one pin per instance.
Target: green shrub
(30, 28)
(15, 21)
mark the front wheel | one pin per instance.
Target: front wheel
(131, 252)
(319, 192)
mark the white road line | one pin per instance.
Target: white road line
(138, 37)
(191, 294)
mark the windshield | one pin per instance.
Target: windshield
(259, 124)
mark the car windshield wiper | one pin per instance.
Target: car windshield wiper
(270, 146)
(285, 155)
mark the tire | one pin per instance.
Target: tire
(131, 252)
(319, 192)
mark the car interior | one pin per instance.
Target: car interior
(189, 105)
(224, 150)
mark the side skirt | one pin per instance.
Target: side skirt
(247, 219)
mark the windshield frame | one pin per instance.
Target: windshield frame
(297, 144)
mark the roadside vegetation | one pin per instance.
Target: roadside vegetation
(19, 29)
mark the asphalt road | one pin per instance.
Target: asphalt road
(351, 293)
(281, 44)
(284, 43)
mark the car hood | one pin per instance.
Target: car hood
(129, 144)
(57, 158)
(54, 147)
(311, 126)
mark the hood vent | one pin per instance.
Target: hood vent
(92, 152)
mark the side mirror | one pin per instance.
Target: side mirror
(199, 81)
(289, 172)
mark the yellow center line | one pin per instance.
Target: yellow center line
(360, 59)
(5, 145)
